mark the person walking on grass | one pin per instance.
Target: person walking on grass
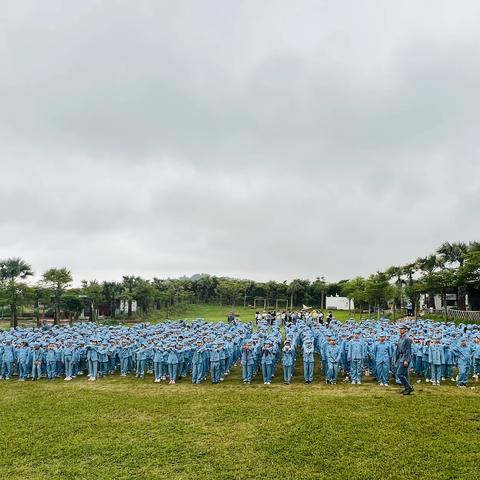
(403, 357)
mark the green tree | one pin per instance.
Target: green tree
(441, 282)
(317, 291)
(428, 265)
(378, 290)
(57, 280)
(144, 293)
(396, 273)
(470, 270)
(296, 289)
(409, 270)
(72, 304)
(453, 253)
(111, 292)
(354, 289)
(413, 290)
(13, 271)
(229, 290)
(39, 295)
(129, 284)
(92, 291)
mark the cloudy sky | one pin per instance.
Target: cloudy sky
(262, 139)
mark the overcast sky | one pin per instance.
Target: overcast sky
(260, 139)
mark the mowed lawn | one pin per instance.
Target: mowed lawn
(124, 428)
(217, 313)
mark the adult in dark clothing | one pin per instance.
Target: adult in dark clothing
(403, 357)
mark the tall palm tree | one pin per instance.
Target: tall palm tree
(409, 270)
(453, 252)
(294, 288)
(456, 253)
(111, 292)
(428, 265)
(12, 270)
(396, 272)
(57, 280)
(129, 283)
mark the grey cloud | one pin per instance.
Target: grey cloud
(251, 139)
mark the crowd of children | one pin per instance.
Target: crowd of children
(168, 350)
(201, 350)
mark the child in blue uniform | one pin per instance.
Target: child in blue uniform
(436, 358)
(427, 368)
(464, 361)
(92, 359)
(215, 363)
(476, 356)
(382, 355)
(22, 354)
(356, 354)
(68, 354)
(8, 358)
(37, 358)
(308, 360)
(141, 356)
(172, 362)
(247, 361)
(51, 360)
(334, 354)
(197, 363)
(267, 363)
(158, 362)
(288, 359)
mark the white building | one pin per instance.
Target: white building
(123, 309)
(339, 303)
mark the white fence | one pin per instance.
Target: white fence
(468, 315)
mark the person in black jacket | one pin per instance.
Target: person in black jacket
(403, 357)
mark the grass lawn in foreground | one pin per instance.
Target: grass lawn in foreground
(124, 428)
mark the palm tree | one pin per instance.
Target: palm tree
(111, 292)
(428, 265)
(129, 284)
(453, 252)
(409, 270)
(57, 280)
(12, 270)
(93, 292)
(456, 253)
(396, 272)
(294, 288)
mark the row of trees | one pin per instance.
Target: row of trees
(54, 291)
(447, 270)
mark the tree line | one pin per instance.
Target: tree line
(448, 270)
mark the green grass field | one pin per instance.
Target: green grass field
(216, 313)
(124, 428)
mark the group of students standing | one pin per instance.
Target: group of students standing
(169, 350)
(433, 351)
(379, 349)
